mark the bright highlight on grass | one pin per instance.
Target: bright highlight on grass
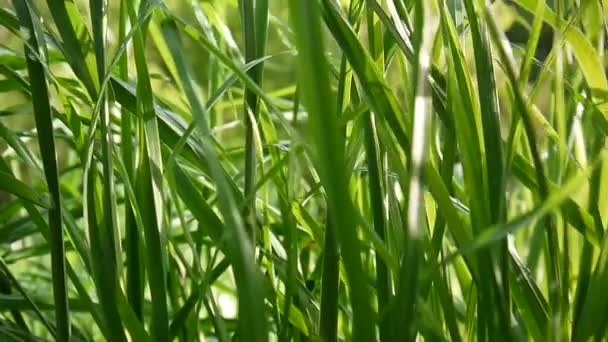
(303, 170)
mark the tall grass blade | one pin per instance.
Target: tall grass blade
(329, 153)
(46, 141)
(252, 321)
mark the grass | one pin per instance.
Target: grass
(304, 170)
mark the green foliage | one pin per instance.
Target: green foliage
(305, 170)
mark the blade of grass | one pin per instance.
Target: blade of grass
(13, 186)
(6, 272)
(588, 59)
(46, 142)
(493, 168)
(135, 271)
(252, 321)
(549, 222)
(149, 183)
(375, 188)
(425, 28)
(108, 286)
(329, 149)
(253, 49)
(328, 320)
(71, 27)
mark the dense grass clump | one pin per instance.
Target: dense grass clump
(303, 170)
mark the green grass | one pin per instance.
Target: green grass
(303, 170)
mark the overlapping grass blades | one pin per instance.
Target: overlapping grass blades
(329, 170)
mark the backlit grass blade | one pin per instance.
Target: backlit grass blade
(330, 276)
(466, 120)
(487, 94)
